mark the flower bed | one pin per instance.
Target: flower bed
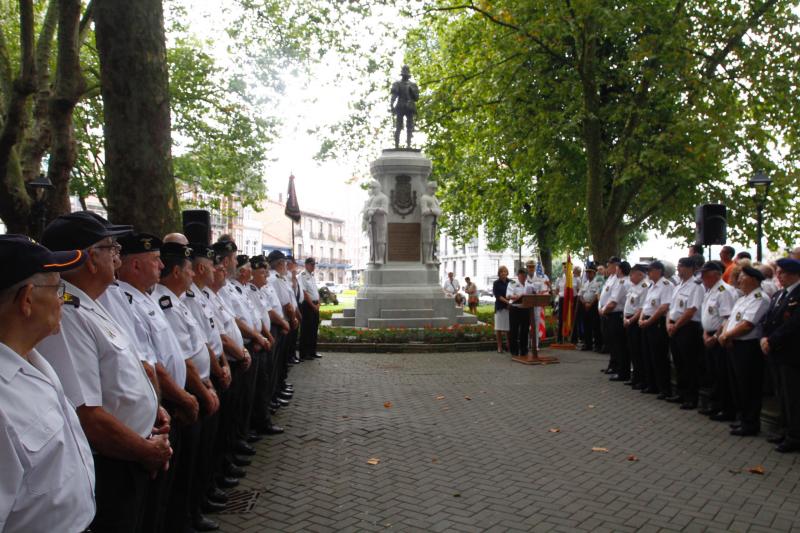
(444, 335)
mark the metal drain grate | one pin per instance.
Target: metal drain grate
(240, 501)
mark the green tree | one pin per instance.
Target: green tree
(608, 118)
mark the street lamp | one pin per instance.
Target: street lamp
(38, 188)
(760, 181)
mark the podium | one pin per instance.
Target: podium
(530, 302)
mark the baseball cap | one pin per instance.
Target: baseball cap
(78, 231)
(21, 257)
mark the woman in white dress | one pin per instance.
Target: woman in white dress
(501, 307)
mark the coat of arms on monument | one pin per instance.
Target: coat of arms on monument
(404, 200)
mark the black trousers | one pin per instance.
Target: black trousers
(289, 351)
(577, 326)
(657, 356)
(686, 345)
(718, 362)
(633, 336)
(244, 409)
(120, 495)
(205, 465)
(309, 327)
(788, 383)
(559, 334)
(747, 379)
(226, 425)
(775, 369)
(620, 356)
(160, 488)
(260, 417)
(180, 509)
(519, 324)
(591, 326)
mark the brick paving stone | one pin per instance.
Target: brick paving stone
(490, 464)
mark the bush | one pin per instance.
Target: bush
(444, 335)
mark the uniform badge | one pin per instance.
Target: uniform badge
(189, 293)
(253, 288)
(71, 299)
(666, 283)
(721, 288)
(757, 296)
(130, 297)
(146, 243)
(738, 316)
(165, 302)
(608, 289)
(238, 289)
(681, 303)
(710, 309)
(653, 302)
(644, 284)
(633, 300)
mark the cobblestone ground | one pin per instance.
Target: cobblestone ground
(465, 444)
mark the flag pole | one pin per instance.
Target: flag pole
(293, 239)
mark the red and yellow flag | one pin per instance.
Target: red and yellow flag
(568, 313)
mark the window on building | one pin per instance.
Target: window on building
(311, 248)
(475, 268)
(331, 256)
(341, 254)
(463, 268)
(445, 246)
(300, 250)
(330, 275)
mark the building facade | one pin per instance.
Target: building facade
(473, 260)
(323, 238)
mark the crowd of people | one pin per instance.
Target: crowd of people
(727, 326)
(137, 373)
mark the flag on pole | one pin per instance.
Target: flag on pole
(542, 330)
(292, 208)
(568, 313)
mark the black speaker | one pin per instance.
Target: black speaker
(711, 224)
(197, 226)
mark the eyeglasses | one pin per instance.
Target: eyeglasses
(60, 287)
(114, 247)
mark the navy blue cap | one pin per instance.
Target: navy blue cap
(139, 243)
(175, 249)
(107, 224)
(656, 265)
(590, 266)
(242, 260)
(753, 273)
(711, 266)
(224, 247)
(686, 262)
(21, 257)
(258, 261)
(789, 264)
(614, 259)
(202, 251)
(641, 267)
(79, 230)
(275, 255)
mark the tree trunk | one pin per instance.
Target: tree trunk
(134, 83)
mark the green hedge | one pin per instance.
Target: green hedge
(446, 335)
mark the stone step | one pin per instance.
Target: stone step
(406, 313)
(349, 313)
(432, 322)
(467, 319)
(344, 321)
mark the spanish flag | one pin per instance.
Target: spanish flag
(568, 313)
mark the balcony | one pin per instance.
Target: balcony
(298, 232)
(333, 262)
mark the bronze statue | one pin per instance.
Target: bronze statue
(406, 93)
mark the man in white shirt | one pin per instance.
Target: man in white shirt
(48, 471)
(604, 297)
(634, 301)
(686, 334)
(519, 317)
(309, 311)
(612, 313)
(587, 308)
(104, 379)
(451, 286)
(653, 322)
(741, 335)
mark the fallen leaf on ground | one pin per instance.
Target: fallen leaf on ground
(445, 408)
(554, 430)
(756, 470)
(345, 416)
(440, 397)
(387, 405)
(632, 458)
(373, 461)
(434, 460)
(457, 495)
(590, 406)
(601, 450)
(467, 398)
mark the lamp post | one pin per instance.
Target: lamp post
(38, 188)
(760, 181)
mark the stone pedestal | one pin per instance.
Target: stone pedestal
(404, 291)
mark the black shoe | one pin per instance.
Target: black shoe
(288, 386)
(242, 448)
(253, 437)
(212, 507)
(281, 402)
(217, 496)
(735, 425)
(707, 411)
(316, 356)
(628, 383)
(235, 472)
(274, 405)
(240, 461)
(285, 395)
(227, 482)
(293, 361)
(662, 396)
(776, 439)
(688, 406)
(722, 416)
(744, 432)
(201, 523)
(675, 399)
(637, 386)
(649, 390)
(787, 447)
(272, 429)
(617, 377)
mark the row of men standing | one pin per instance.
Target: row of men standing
(719, 336)
(134, 405)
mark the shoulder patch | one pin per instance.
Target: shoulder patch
(165, 302)
(667, 283)
(757, 295)
(189, 293)
(644, 284)
(71, 299)
(115, 283)
(238, 289)
(253, 288)
(721, 288)
(130, 297)
(205, 292)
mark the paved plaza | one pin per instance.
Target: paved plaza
(474, 442)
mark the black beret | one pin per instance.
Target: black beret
(79, 230)
(590, 266)
(258, 261)
(242, 260)
(788, 264)
(21, 257)
(641, 267)
(753, 272)
(625, 267)
(175, 249)
(614, 259)
(656, 265)
(275, 255)
(686, 262)
(224, 247)
(711, 266)
(311, 261)
(138, 243)
(202, 251)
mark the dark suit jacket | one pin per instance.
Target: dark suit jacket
(782, 327)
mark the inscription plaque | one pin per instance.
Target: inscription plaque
(404, 241)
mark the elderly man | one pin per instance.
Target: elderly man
(309, 311)
(609, 287)
(781, 337)
(104, 380)
(451, 286)
(612, 313)
(653, 322)
(634, 301)
(587, 307)
(741, 335)
(48, 472)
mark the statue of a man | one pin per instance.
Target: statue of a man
(430, 210)
(405, 93)
(374, 223)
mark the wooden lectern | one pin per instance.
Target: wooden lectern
(531, 301)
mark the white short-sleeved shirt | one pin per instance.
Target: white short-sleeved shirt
(717, 306)
(618, 292)
(634, 298)
(536, 284)
(153, 327)
(605, 294)
(658, 294)
(225, 316)
(309, 284)
(97, 365)
(689, 294)
(190, 335)
(272, 299)
(451, 286)
(590, 289)
(47, 481)
(260, 302)
(749, 308)
(202, 310)
(283, 289)
(234, 296)
(116, 303)
(515, 288)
